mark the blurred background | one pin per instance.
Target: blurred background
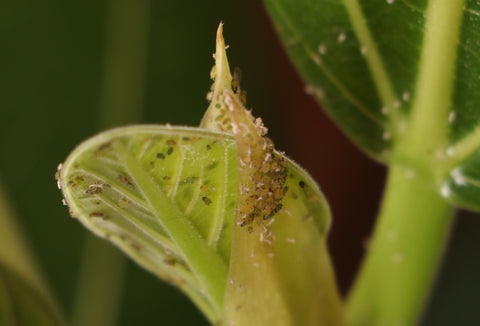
(69, 69)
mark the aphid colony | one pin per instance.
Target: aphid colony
(262, 173)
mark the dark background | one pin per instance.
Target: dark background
(54, 59)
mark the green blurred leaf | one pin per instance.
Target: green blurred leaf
(399, 77)
(22, 304)
(24, 297)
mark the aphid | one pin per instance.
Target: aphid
(102, 150)
(123, 202)
(95, 188)
(190, 180)
(135, 246)
(207, 200)
(124, 179)
(262, 174)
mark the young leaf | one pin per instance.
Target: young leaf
(280, 272)
(216, 117)
(166, 196)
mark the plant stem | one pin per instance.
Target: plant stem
(101, 276)
(406, 250)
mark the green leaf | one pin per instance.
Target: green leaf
(280, 272)
(166, 197)
(24, 298)
(22, 304)
(190, 205)
(400, 78)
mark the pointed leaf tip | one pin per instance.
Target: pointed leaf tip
(216, 117)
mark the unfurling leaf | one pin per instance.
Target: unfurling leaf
(167, 196)
(280, 272)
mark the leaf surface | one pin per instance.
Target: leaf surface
(400, 77)
(280, 272)
(166, 197)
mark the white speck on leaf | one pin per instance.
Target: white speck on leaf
(316, 58)
(451, 116)
(315, 91)
(457, 176)
(405, 96)
(450, 151)
(341, 37)
(445, 191)
(363, 50)
(322, 49)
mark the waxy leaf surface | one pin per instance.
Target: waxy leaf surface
(400, 77)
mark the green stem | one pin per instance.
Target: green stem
(404, 255)
(101, 276)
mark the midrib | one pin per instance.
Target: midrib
(372, 56)
(427, 129)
